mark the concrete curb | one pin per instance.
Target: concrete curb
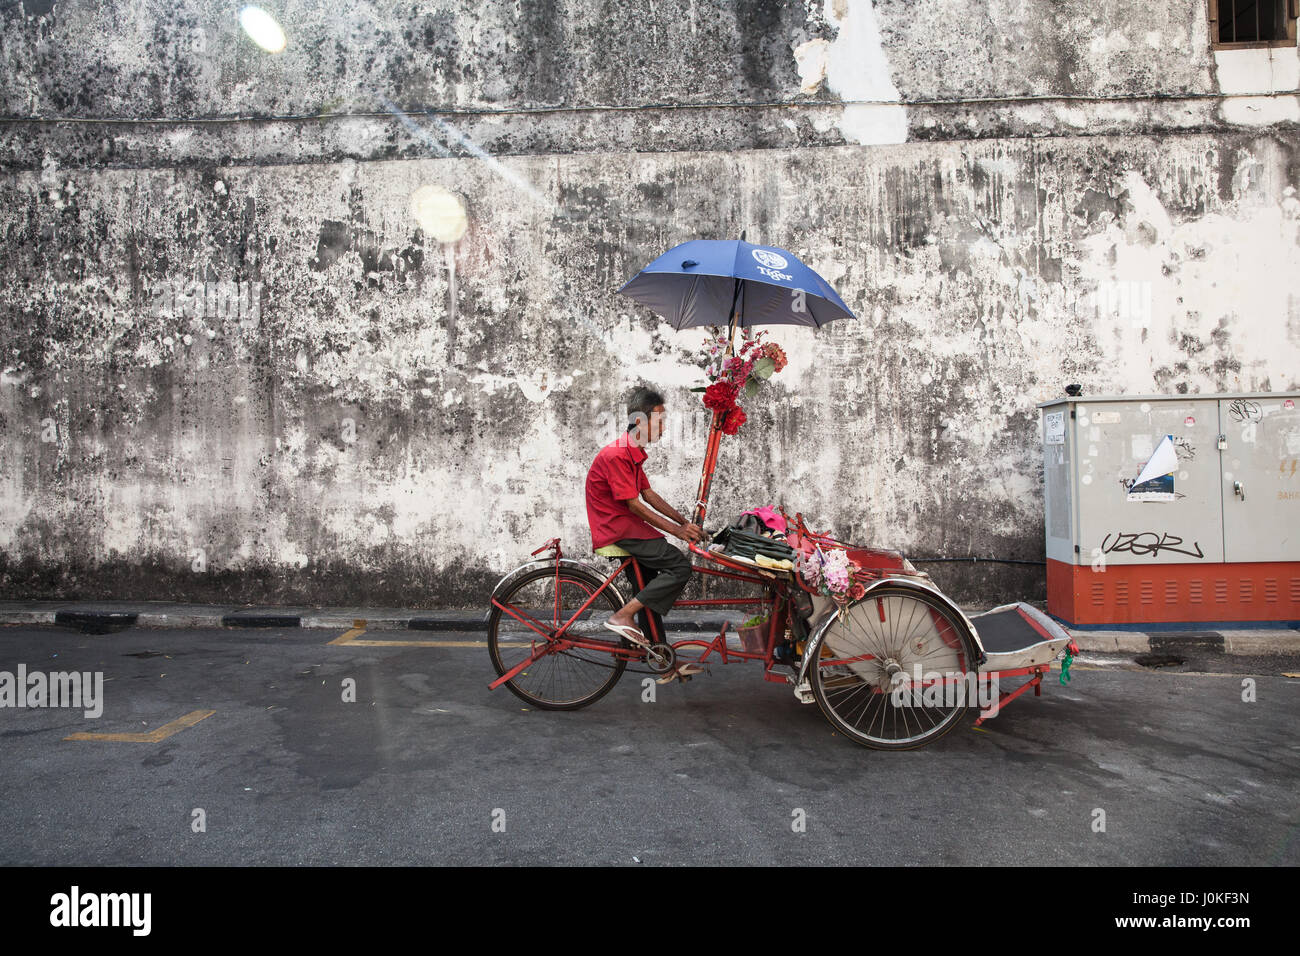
(104, 617)
(95, 622)
(1245, 643)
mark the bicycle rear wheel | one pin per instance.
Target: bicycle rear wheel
(892, 631)
(563, 679)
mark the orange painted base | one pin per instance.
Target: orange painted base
(1174, 593)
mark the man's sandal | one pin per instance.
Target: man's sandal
(633, 634)
(681, 672)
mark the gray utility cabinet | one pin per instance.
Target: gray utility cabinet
(1233, 498)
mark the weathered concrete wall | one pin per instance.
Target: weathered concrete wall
(235, 368)
(159, 83)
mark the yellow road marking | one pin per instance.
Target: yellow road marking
(153, 736)
(417, 643)
(352, 638)
(347, 637)
(1139, 669)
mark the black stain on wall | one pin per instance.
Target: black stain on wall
(764, 48)
(335, 238)
(540, 61)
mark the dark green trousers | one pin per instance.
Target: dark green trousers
(666, 570)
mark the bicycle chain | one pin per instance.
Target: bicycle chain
(587, 660)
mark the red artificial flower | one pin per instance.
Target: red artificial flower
(735, 418)
(857, 591)
(720, 395)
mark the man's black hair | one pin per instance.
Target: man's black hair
(644, 401)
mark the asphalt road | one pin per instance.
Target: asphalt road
(719, 770)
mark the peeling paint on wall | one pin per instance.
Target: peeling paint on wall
(1271, 70)
(223, 375)
(341, 429)
(855, 67)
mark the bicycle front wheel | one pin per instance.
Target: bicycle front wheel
(871, 652)
(562, 679)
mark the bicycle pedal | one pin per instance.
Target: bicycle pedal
(802, 691)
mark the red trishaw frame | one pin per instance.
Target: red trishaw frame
(776, 598)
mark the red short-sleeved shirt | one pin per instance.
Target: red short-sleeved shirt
(614, 477)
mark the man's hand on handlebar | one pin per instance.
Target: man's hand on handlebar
(690, 532)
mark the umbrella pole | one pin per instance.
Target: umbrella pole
(715, 427)
(731, 321)
(710, 463)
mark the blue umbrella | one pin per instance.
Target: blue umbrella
(715, 281)
(712, 281)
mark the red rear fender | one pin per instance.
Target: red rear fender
(881, 558)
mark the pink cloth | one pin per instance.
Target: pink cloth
(770, 517)
(805, 546)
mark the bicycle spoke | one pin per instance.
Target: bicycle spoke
(895, 632)
(564, 676)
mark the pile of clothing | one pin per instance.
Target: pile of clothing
(759, 536)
